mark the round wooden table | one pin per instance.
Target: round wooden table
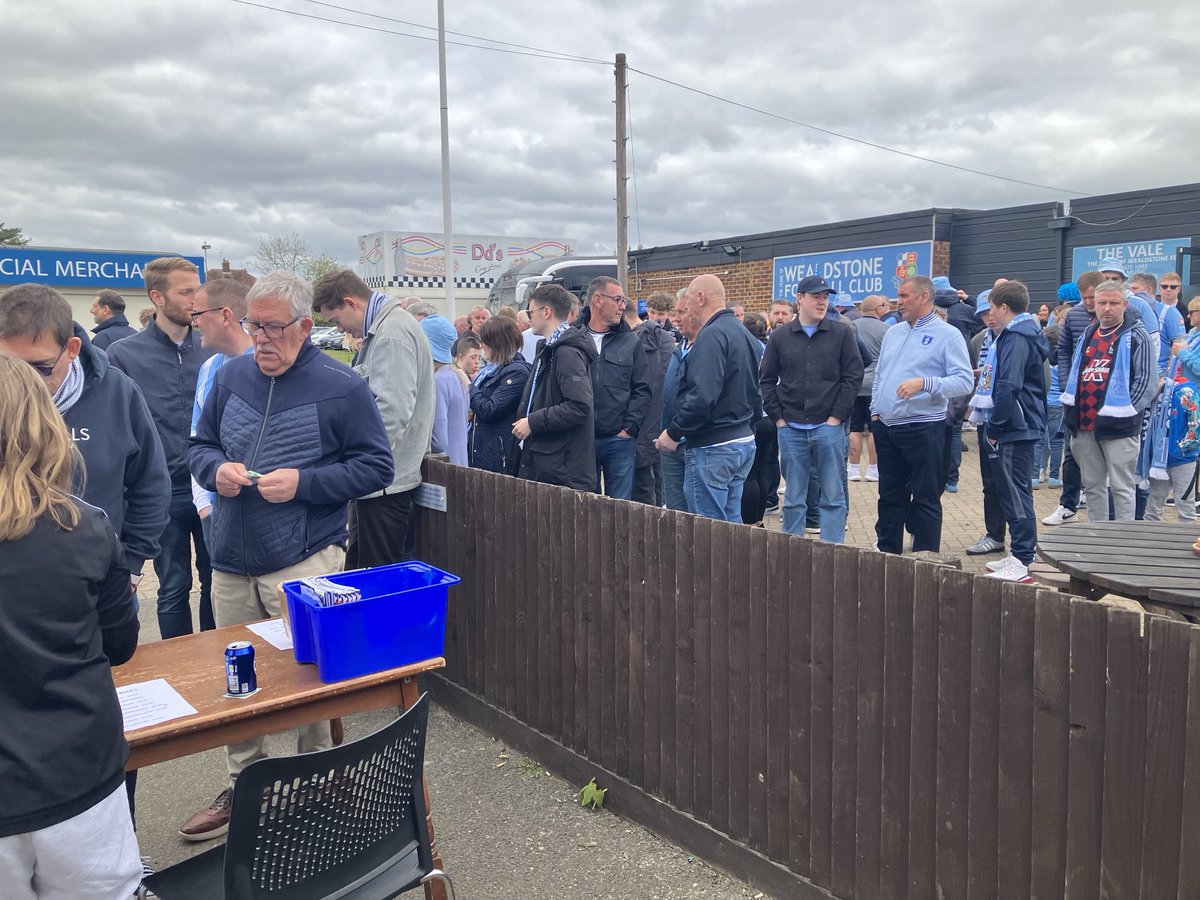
(1142, 560)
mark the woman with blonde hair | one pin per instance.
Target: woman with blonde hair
(66, 617)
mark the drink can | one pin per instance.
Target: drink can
(240, 677)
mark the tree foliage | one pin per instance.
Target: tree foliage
(12, 236)
(292, 253)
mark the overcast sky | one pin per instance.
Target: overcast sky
(146, 125)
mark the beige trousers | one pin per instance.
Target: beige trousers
(240, 598)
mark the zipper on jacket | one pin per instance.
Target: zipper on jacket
(262, 429)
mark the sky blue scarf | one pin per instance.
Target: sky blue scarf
(981, 403)
(1117, 402)
(374, 305)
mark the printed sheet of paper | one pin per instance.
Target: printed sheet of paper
(151, 702)
(273, 632)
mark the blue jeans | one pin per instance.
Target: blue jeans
(714, 478)
(672, 478)
(820, 451)
(174, 569)
(615, 460)
(1048, 452)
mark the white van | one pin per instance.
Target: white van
(574, 273)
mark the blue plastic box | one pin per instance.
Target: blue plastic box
(401, 619)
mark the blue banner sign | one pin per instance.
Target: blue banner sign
(1156, 257)
(858, 272)
(78, 268)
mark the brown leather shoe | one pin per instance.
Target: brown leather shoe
(209, 823)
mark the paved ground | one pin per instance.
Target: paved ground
(505, 828)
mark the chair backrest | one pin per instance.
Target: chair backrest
(307, 826)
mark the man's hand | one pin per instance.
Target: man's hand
(664, 442)
(279, 486)
(206, 512)
(910, 388)
(624, 435)
(521, 430)
(231, 478)
(780, 423)
(834, 421)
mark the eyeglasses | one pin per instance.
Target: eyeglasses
(274, 332)
(47, 369)
(1170, 287)
(616, 298)
(205, 312)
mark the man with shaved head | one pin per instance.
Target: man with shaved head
(716, 405)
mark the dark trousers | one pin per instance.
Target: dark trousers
(993, 514)
(911, 479)
(647, 483)
(1016, 496)
(381, 530)
(954, 451)
(174, 569)
(1072, 481)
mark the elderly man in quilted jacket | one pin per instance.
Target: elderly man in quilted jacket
(286, 439)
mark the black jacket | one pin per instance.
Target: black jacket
(124, 470)
(495, 402)
(808, 379)
(718, 397)
(112, 330)
(1071, 329)
(659, 344)
(167, 374)
(66, 617)
(620, 379)
(959, 314)
(1019, 384)
(562, 447)
(1143, 380)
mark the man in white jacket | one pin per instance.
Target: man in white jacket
(397, 363)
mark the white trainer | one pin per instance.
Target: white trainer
(999, 565)
(1018, 571)
(1059, 516)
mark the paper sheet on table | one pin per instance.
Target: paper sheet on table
(273, 632)
(151, 702)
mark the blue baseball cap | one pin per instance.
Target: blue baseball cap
(981, 302)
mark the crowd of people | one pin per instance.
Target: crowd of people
(219, 440)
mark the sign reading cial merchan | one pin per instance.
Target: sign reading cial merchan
(404, 258)
(59, 267)
(858, 272)
(1156, 257)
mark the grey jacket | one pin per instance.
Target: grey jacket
(397, 364)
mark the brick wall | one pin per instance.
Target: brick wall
(749, 283)
(941, 258)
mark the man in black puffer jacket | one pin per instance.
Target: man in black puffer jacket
(557, 427)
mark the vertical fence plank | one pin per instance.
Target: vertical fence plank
(606, 744)
(587, 628)
(549, 534)
(618, 602)
(953, 732)
(778, 599)
(702, 723)
(869, 797)
(660, 670)
(469, 589)
(800, 676)
(512, 600)
(1166, 745)
(897, 725)
(493, 644)
(821, 771)
(635, 646)
(718, 641)
(682, 751)
(758, 687)
(1124, 756)
(845, 719)
(535, 586)
(984, 759)
(1014, 834)
(1051, 737)
(922, 779)
(1189, 859)
(566, 524)
(1085, 749)
(740, 691)
(654, 648)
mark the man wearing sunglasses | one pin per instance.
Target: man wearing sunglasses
(286, 439)
(164, 361)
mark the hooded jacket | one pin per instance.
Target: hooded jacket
(124, 470)
(318, 417)
(659, 345)
(558, 403)
(620, 379)
(1019, 387)
(167, 374)
(112, 330)
(959, 314)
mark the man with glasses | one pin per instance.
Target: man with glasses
(620, 385)
(1170, 320)
(286, 439)
(217, 315)
(164, 361)
(1170, 287)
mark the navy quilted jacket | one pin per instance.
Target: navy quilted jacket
(318, 417)
(495, 402)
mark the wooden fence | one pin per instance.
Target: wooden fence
(823, 720)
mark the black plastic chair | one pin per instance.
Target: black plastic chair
(348, 822)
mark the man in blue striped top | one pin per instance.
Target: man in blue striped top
(923, 363)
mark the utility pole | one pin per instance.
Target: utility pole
(206, 246)
(622, 75)
(447, 226)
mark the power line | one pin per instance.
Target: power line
(847, 137)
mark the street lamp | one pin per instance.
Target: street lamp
(206, 246)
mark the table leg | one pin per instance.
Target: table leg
(435, 890)
(1081, 587)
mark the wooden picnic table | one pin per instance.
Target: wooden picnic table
(1141, 560)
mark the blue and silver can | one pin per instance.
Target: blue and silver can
(240, 677)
